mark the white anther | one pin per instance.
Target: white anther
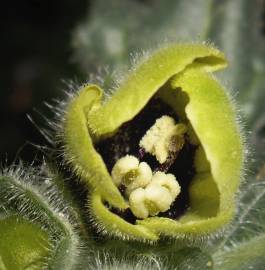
(131, 174)
(137, 203)
(163, 137)
(168, 181)
(122, 167)
(142, 178)
(157, 197)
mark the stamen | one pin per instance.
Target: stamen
(164, 138)
(156, 197)
(122, 167)
(130, 173)
(150, 194)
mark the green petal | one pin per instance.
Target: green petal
(143, 83)
(212, 193)
(112, 225)
(79, 146)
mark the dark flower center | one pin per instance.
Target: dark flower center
(126, 142)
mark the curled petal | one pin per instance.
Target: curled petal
(179, 76)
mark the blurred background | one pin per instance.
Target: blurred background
(45, 43)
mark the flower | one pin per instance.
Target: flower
(162, 156)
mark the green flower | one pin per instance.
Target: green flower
(163, 155)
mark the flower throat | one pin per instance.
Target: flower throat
(126, 142)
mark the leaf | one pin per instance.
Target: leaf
(32, 195)
(243, 246)
(246, 255)
(23, 245)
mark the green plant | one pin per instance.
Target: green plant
(46, 221)
(177, 76)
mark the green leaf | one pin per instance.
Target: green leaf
(33, 195)
(23, 245)
(246, 255)
(243, 246)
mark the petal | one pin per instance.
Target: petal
(213, 118)
(140, 85)
(79, 148)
